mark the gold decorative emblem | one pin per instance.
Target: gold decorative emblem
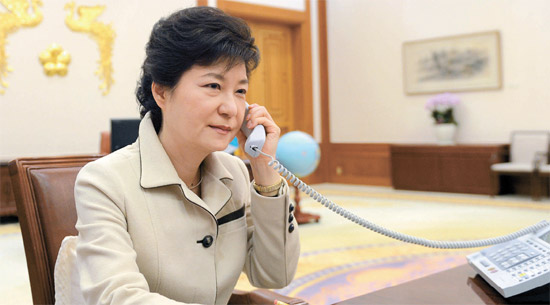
(55, 60)
(103, 34)
(15, 18)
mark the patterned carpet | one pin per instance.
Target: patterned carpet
(341, 260)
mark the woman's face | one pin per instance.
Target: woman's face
(206, 108)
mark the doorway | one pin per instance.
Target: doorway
(283, 80)
(271, 84)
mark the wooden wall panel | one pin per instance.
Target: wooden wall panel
(466, 173)
(457, 168)
(7, 201)
(416, 171)
(367, 164)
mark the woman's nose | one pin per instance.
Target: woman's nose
(228, 106)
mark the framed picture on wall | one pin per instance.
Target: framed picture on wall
(455, 63)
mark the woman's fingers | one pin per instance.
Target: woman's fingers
(270, 127)
(255, 112)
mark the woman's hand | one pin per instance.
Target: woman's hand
(258, 115)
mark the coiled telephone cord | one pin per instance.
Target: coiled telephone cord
(390, 233)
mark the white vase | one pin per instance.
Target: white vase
(445, 133)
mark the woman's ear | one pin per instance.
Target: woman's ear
(160, 94)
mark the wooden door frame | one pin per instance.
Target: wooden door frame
(299, 21)
(323, 174)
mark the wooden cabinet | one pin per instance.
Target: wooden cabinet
(458, 169)
(7, 201)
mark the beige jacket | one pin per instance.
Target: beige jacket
(143, 235)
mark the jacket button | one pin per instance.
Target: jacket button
(290, 208)
(291, 228)
(207, 241)
(290, 218)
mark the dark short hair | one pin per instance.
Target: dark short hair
(193, 36)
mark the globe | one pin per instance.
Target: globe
(232, 147)
(299, 153)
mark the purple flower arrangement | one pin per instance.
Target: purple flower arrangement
(441, 108)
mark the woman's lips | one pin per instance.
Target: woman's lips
(221, 129)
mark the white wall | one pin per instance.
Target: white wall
(64, 115)
(42, 115)
(367, 101)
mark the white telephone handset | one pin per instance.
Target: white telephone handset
(255, 138)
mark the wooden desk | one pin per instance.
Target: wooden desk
(457, 168)
(458, 285)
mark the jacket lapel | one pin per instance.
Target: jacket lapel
(157, 170)
(215, 192)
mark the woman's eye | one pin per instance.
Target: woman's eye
(241, 91)
(214, 86)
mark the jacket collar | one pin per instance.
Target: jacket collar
(157, 170)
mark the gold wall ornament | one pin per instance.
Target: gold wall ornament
(55, 60)
(15, 18)
(103, 34)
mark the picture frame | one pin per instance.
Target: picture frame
(466, 62)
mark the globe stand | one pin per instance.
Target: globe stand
(299, 153)
(301, 217)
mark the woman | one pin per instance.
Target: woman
(170, 219)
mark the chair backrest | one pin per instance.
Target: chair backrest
(44, 196)
(525, 144)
